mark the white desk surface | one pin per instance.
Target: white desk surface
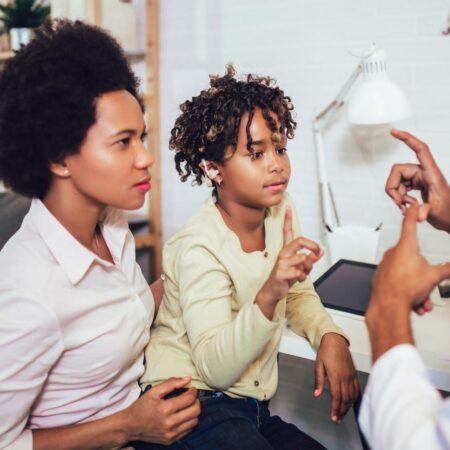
(431, 333)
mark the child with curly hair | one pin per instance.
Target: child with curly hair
(235, 272)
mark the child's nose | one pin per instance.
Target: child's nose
(275, 163)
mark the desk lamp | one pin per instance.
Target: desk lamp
(376, 100)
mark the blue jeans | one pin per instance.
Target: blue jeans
(229, 423)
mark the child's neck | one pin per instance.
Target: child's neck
(247, 223)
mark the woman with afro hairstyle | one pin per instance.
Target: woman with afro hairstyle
(75, 309)
(236, 271)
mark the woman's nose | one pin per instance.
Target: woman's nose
(144, 158)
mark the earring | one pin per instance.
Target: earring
(219, 181)
(66, 172)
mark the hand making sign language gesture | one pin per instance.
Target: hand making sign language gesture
(333, 357)
(425, 177)
(291, 266)
(392, 414)
(403, 281)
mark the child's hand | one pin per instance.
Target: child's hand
(335, 362)
(291, 266)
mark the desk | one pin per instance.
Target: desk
(431, 333)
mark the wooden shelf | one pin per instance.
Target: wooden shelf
(148, 240)
(135, 55)
(5, 55)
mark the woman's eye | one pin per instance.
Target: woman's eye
(144, 137)
(256, 155)
(282, 151)
(124, 142)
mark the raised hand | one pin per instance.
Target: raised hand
(425, 177)
(403, 282)
(291, 266)
(404, 277)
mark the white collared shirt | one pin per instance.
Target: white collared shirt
(72, 326)
(401, 409)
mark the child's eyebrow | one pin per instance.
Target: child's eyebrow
(258, 142)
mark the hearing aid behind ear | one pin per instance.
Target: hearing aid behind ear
(210, 173)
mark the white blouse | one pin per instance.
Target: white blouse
(401, 409)
(72, 326)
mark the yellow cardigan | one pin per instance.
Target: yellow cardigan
(208, 326)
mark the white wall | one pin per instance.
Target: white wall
(305, 45)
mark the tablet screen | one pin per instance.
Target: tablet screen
(346, 286)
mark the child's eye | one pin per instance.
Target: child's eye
(256, 155)
(282, 151)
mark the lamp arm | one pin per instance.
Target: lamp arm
(340, 98)
(326, 195)
(324, 187)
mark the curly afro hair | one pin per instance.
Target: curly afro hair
(209, 123)
(48, 93)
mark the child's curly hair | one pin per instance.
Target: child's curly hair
(209, 123)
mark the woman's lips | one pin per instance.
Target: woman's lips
(143, 186)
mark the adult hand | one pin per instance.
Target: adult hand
(151, 418)
(404, 276)
(291, 266)
(403, 281)
(425, 177)
(335, 362)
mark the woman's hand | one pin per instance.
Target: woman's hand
(151, 418)
(335, 362)
(290, 267)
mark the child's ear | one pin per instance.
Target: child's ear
(210, 171)
(59, 169)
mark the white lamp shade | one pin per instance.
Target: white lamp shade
(377, 100)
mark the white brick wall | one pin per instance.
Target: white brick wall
(305, 45)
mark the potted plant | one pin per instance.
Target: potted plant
(20, 17)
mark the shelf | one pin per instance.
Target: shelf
(145, 240)
(5, 55)
(134, 56)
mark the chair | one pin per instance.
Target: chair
(13, 208)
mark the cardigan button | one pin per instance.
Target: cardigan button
(256, 383)
(266, 254)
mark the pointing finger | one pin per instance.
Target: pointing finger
(287, 227)
(409, 225)
(420, 148)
